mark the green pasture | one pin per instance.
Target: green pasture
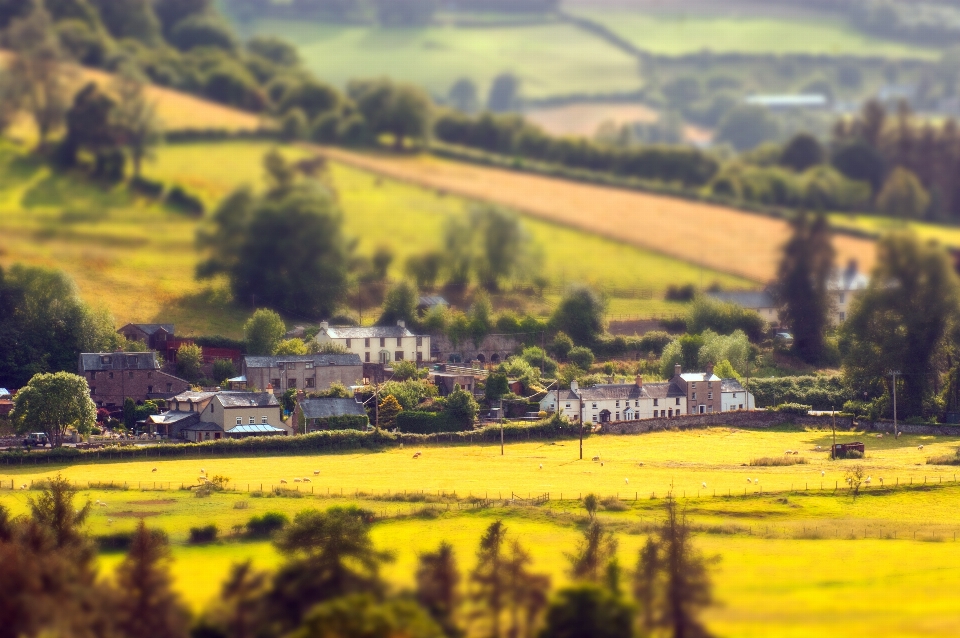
(792, 563)
(678, 34)
(138, 257)
(550, 59)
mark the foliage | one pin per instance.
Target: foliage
(725, 370)
(190, 361)
(747, 126)
(901, 321)
(588, 611)
(520, 369)
(438, 582)
(802, 152)
(292, 346)
(388, 410)
(820, 392)
(582, 357)
(903, 195)
(263, 332)
(778, 461)
(307, 277)
(580, 314)
(135, 117)
(792, 408)
(595, 552)
(699, 351)
(562, 345)
(52, 403)
(537, 358)
(496, 386)
(409, 393)
(413, 422)
(724, 318)
(401, 110)
(363, 615)
(266, 524)
(802, 286)
(400, 304)
(222, 370)
(180, 199)
(460, 409)
(204, 534)
(404, 370)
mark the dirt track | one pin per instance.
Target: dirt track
(713, 236)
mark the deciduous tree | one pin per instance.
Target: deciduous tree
(263, 332)
(53, 403)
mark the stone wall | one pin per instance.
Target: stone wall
(887, 426)
(757, 419)
(493, 348)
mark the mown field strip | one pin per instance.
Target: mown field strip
(712, 236)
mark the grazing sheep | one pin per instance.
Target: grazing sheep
(756, 481)
(596, 458)
(316, 472)
(919, 447)
(788, 452)
(154, 470)
(541, 466)
(416, 455)
(640, 464)
(203, 471)
(103, 504)
(704, 484)
(881, 480)
(749, 480)
(109, 520)
(627, 481)
(296, 480)
(601, 463)
(817, 448)
(796, 453)
(880, 436)
(282, 481)
(23, 487)
(306, 480)
(822, 473)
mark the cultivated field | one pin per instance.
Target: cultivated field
(550, 59)
(793, 563)
(584, 119)
(715, 237)
(678, 33)
(942, 234)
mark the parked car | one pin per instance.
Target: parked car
(36, 439)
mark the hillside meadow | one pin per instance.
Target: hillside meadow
(138, 257)
(791, 563)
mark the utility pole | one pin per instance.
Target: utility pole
(894, 374)
(501, 426)
(581, 422)
(833, 450)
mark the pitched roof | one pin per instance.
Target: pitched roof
(247, 399)
(317, 359)
(699, 376)
(202, 426)
(730, 385)
(190, 395)
(173, 416)
(150, 328)
(327, 407)
(366, 332)
(665, 390)
(612, 391)
(95, 361)
(5, 393)
(427, 301)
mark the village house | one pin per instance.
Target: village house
(114, 376)
(154, 335)
(734, 397)
(702, 390)
(378, 344)
(311, 372)
(206, 416)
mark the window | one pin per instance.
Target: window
(106, 360)
(383, 342)
(349, 342)
(636, 404)
(366, 357)
(281, 365)
(703, 409)
(213, 408)
(741, 407)
(93, 390)
(309, 365)
(678, 401)
(694, 396)
(663, 413)
(843, 297)
(399, 341)
(618, 404)
(419, 341)
(594, 406)
(710, 409)
(693, 386)
(264, 420)
(149, 389)
(734, 395)
(275, 383)
(419, 357)
(710, 396)
(366, 343)
(655, 402)
(253, 420)
(670, 411)
(291, 383)
(843, 316)
(594, 418)
(398, 355)
(568, 406)
(311, 383)
(132, 362)
(239, 420)
(169, 387)
(618, 416)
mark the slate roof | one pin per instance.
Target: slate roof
(327, 407)
(317, 359)
(202, 426)
(96, 361)
(665, 390)
(151, 328)
(696, 377)
(247, 399)
(427, 301)
(190, 395)
(4, 392)
(173, 416)
(367, 332)
(731, 385)
(612, 391)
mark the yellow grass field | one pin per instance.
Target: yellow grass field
(792, 563)
(713, 236)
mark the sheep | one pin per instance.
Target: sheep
(626, 481)
(920, 447)
(881, 480)
(416, 455)
(154, 470)
(704, 484)
(756, 481)
(23, 487)
(109, 521)
(596, 458)
(541, 466)
(601, 463)
(203, 471)
(749, 480)
(880, 436)
(640, 464)
(306, 480)
(788, 452)
(817, 448)
(796, 453)
(103, 504)
(316, 472)
(296, 480)
(822, 473)
(283, 481)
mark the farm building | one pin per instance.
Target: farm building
(310, 372)
(228, 410)
(381, 344)
(114, 376)
(327, 413)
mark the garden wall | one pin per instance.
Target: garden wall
(758, 419)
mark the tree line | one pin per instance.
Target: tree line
(329, 582)
(383, 12)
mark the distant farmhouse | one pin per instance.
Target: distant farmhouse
(310, 372)
(162, 338)
(843, 287)
(685, 393)
(327, 413)
(209, 416)
(114, 376)
(378, 344)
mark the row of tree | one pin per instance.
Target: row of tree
(389, 13)
(330, 583)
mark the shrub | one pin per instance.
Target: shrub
(793, 408)
(146, 187)
(121, 541)
(266, 524)
(205, 534)
(421, 422)
(582, 357)
(821, 392)
(778, 461)
(183, 201)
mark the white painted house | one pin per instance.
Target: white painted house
(378, 344)
(734, 397)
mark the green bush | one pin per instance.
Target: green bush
(582, 357)
(205, 534)
(421, 423)
(344, 422)
(266, 524)
(821, 392)
(121, 541)
(147, 187)
(186, 202)
(792, 408)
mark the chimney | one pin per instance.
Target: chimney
(676, 370)
(324, 325)
(709, 370)
(639, 382)
(402, 324)
(269, 387)
(574, 386)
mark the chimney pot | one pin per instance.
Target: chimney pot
(402, 324)
(676, 370)
(574, 386)
(709, 369)
(639, 381)
(324, 325)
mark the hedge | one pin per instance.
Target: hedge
(344, 422)
(412, 422)
(821, 393)
(792, 408)
(187, 202)
(219, 134)
(315, 442)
